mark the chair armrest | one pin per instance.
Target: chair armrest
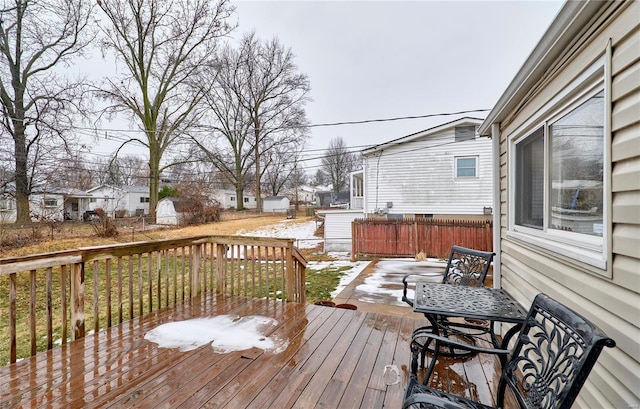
(404, 290)
(431, 400)
(449, 342)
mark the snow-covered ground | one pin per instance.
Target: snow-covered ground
(303, 232)
(384, 284)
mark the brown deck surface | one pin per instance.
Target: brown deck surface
(335, 359)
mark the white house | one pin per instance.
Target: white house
(275, 204)
(53, 205)
(124, 201)
(228, 199)
(441, 172)
(566, 138)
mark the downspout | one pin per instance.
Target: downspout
(495, 137)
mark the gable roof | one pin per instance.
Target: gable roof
(426, 132)
(127, 189)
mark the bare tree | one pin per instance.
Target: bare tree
(337, 163)
(163, 44)
(257, 103)
(37, 39)
(280, 164)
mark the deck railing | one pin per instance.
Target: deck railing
(46, 299)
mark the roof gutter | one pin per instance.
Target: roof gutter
(570, 20)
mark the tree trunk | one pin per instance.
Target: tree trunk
(23, 211)
(154, 181)
(258, 190)
(239, 198)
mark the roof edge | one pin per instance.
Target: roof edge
(569, 21)
(419, 134)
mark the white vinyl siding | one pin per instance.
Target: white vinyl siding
(337, 228)
(419, 177)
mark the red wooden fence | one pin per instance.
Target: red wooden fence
(408, 237)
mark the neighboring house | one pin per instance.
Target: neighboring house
(121, 201)
(169, 211)
(275, 204)
(442, 172)
(566, 136)
(54, 205)
(228, 200)
(303, 194)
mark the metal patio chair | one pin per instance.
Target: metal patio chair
(552, 357)
(464, 267)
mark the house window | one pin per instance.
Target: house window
(575, 144)
(246, 200)
(557, 192)
(144, 199)
(5, 204)
(74, 206)
(466, 166)
(465, 133)
(50, 203)
(92, 200)
(232, 198)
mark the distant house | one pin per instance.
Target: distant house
(566, 136)
(121, 201)
(55, 204)
(441, 172)
(228, 199)
(275, 204)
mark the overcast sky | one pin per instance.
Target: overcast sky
(370, 60)
(385, 59)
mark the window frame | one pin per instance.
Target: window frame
(578, 248)
(476, 158)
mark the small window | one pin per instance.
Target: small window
(92, 200)
(144, 199)
(530, 180)
(466, 166)
(74, 207)
(232, 198)
(50, 203)
(246, 200)
(465, 133)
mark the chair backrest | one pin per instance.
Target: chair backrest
(467, 267)
(553, 356)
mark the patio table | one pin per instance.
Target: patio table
(479, 303)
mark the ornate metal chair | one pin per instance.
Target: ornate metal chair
(552, 357)
(464, 267)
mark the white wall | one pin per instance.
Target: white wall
(337, 228)
(418, 177)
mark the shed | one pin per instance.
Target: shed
(337, 228)
(275, 204)
(167, 211)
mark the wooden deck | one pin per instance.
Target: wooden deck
(335, 359)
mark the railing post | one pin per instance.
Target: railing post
(290, 273)
(220, 268)
(77, 300)
(196, 285)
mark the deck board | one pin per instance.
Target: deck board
(335, 359)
